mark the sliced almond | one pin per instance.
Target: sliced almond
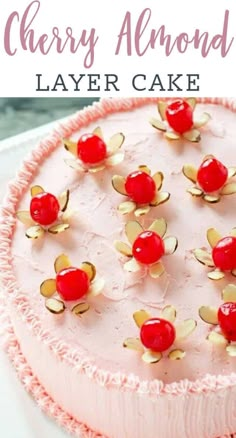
(140, 317)
(144, 169)
(231, 172)
(132, 230)
(211, 199)
(176, 354)
(70, 146)
(132, 266)
(231, 350)
(55, 306)
(98, 132)
(192, 101)
(213, 237)
(96, 287)
(202, 120)
(63, 200)
(142, 211)
(190, 172)
(126, 207)
(184, 329)
(115, 143)
(160, 198)
(48, 287)
(61, 262)
(229, 189)
(217, 338)
(24, 217)
(123, 248)
(229, 293)
(118, 183)
(151, 357)
(159, 226)
(156, 270)
(58, 228)
(158, 179)
(34, 232)
(195, 191)
(216, 275)
(115, 159)
(209, 314)
(90, 270)
(193, 135)
(74, 164)
(68, 214)
(208, 157)
(96, 169)
(170, 244)
(169, 313)
(157, 124)
(233, 232)
(36, 190)
(161, 108)
(203, 257)
(169, 135)
(233, 272)
(133, 344)
(80, 308)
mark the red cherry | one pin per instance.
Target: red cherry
(44, 208)
(224, 254)
(179, 115)
(72, 283)
(140, 187)
(227, 320)
(91, 149)
(157, 334)
(148, 248)
(212, 175)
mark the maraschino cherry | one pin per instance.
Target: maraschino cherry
(179, 115)
(72, 283)
(224, 254)
(227, 320)
(44, 208)
(157, 334)
(148, 247)
(212, 175)
(140, 187)
(91, 149)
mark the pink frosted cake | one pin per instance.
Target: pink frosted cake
(143, 344)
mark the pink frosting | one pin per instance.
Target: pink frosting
(92, 346)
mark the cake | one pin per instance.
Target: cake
(74, 362)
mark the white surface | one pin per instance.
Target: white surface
(20, 417)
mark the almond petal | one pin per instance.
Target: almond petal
(126, 207)
(216, 275)
(213, 237)
(158, 179)
(63, 200)
(68, 214)
(203, 120)
(160, 198)
(195, 191)
(96, 169)
(229, 293)
(140, 317)
(231, 350)
(142, 211)
(115, 159)
(98, 132)
(209, 314)
(211, 199)
(58, 228)
(231, 172)
(159, 226)
(132, 266)
(61, 262)
(203, 257)
(96, 287)
(156, 270)
(55, 306)
(24, 217)
(34, 232)
(217, 338)
(151, 357)
(233, 272)
(123, 248)
(161, 108)
(132, 230)
(157, 124)
(144, 169)
(115, 143)
(170, 244)
(70, 146)
(133, 344)
(90, 270)
(184, 329)
(193, 135)
(190, 172)
(172, 135)
(48, 287)
(74, 164)
(229, 189)
(192, 101)
(35, 190)
(176, 354)
(233, 232)
(80, 308)
(118, 183)
(169, 313)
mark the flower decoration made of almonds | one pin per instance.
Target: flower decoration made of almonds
(71, 284)
(92, 154)
(177, 120)
(47, 213)
(147, 247)
(142, 190)
(223, 254)
(224, 318)
(212, 179)
(157, 335)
